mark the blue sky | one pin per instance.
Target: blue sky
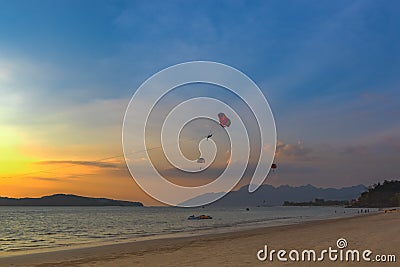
(329, 70)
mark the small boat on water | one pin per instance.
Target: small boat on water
(201, 217)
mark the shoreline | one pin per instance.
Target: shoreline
(212, 230)
(184, 251)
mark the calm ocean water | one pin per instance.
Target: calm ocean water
(29, 228)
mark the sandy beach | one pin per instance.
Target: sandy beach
(379, 233)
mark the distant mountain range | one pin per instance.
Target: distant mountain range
(268, 195)
(65, 200)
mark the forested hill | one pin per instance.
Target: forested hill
(380, 196)
(65, 200)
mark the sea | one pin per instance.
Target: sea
(30, 229)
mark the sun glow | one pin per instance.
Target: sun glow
(13, 160)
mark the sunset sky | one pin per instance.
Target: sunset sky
(329, 69)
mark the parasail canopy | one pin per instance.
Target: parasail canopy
(223, 120)
(201, 160)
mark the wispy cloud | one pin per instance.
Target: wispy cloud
(83, 163)
(297, 150)
(50, 179)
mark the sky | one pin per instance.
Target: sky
(329, 70)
